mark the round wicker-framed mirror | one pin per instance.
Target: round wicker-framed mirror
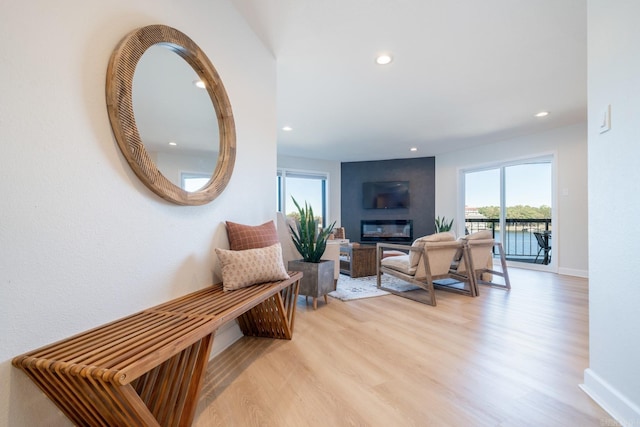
(119, 94)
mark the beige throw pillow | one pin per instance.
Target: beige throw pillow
(251, 266)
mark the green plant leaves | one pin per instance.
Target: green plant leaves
(308, 240)
(442, 224)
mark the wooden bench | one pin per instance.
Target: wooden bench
(147, 369)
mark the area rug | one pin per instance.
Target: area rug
(365, 287)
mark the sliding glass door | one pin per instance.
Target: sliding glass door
(528, 200)
(514, 201)
(482, 204)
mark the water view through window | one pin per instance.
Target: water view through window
(515, 198)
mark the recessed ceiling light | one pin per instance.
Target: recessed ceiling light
(383, 59)
(199, 84)
(287, 128)
(173, 144)
(413, 149)
(542, 114)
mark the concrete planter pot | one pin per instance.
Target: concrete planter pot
(317, 280)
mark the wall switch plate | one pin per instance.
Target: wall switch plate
(605, 123)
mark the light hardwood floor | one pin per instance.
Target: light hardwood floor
(505, 358)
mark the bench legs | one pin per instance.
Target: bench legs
(273, 317)
(171, 390)
(165, 396)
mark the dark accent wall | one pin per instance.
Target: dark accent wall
(419, 172)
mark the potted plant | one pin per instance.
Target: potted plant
(442, 224)
(311, 242)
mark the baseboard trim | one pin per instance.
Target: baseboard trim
(574, 272)
(225, 336)
(611, 400)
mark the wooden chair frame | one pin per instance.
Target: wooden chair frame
(424, 277)
(478, 251)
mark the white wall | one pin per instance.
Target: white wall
(333, 168)
(613, 377)
(569, 147)
(82, 241)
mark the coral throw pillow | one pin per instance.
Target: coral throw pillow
(243, 237)
(251, 266)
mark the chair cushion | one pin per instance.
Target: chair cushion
(251, 266)
(480, 250)
(445, 236)
(399, 263)
(479, 235)
(243, 237)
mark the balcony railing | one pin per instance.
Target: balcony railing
(520, 243)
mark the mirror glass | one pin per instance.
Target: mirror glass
(179, 139)
(176, 119)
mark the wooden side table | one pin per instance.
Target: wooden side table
(358, 261)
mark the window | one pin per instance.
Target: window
(193, 181)
(304, 186)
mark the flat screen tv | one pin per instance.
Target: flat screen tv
(385, 195)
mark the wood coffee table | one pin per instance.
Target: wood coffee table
(358, 261)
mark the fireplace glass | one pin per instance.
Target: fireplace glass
(399, 230)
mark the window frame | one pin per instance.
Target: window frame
(281, 188)
(550, 157)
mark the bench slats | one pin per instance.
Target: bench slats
(147, 369)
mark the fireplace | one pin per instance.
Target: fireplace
(386, 230)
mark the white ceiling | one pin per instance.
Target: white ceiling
(465, 72)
